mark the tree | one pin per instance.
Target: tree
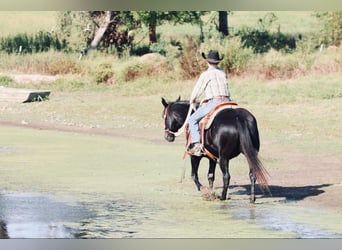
(223, 23)
(89, 30)
(154, 18)
(105, 19)
(332, 27)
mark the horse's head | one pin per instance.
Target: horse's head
(174, 115)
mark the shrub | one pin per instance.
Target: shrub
(150, 65)
(236, 58)
(103, 73)
(62, 66)
(331, 32)
(263, 41)
(140, 50)
(133, 71)
(158, 48)
(190, 61)
(5, 81)
(39, 42)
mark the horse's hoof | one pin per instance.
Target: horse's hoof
(208, 194)
(223, 199)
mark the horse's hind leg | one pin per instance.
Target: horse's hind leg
(211, 178)
(252, 178)
(195, 161)
(224, 165)
(211, 174)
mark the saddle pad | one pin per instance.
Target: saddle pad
(208, 119)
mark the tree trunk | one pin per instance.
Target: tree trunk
(101, 31)
(223, 22)
(152, 27)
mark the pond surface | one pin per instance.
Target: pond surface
(27, 215)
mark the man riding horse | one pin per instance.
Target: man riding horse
(212, 82)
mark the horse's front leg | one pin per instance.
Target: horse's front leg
(224, 165)
(195, 161)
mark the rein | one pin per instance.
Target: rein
(181, 129)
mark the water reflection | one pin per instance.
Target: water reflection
(277, 218)
(115, 219)
(3, 230)
(37, 216)
(40, 216)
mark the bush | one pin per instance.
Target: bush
(331, 33)
(39, 42)
(133, 71)
(236, 58)
(5, 81)
(263, 41)
(103, 73)
(140, 50)
(191, 62)
(150, 65)
(158, 48)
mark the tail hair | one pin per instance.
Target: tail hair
(251, 153)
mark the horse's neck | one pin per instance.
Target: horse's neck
(181, 110)
(185, 111)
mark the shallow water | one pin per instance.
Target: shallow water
(27, 215)
(288, 218)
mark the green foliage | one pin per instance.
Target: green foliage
(39, 42)
(5, 81)
(158, 47)
(191, 62)
(152, 65)
(175, 17)
(261, 39)
(331, 34)
(133, 71)
(236, 57)
(79, 28)
(140, 50)
(103, 73)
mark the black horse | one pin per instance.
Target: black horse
(232, 132)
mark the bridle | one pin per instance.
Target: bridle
(181, 129)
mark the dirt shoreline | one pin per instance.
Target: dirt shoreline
(317, 183)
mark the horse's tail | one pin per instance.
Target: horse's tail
(250, 143)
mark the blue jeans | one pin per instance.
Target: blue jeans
(197, 116)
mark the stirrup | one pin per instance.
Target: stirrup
(196, 149)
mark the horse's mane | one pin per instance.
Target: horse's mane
(181, 102)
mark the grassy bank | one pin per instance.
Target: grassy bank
(293, 111)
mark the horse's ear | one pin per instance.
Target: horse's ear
(178, 99)
(164, 102)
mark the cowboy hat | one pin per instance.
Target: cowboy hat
(213, 57)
